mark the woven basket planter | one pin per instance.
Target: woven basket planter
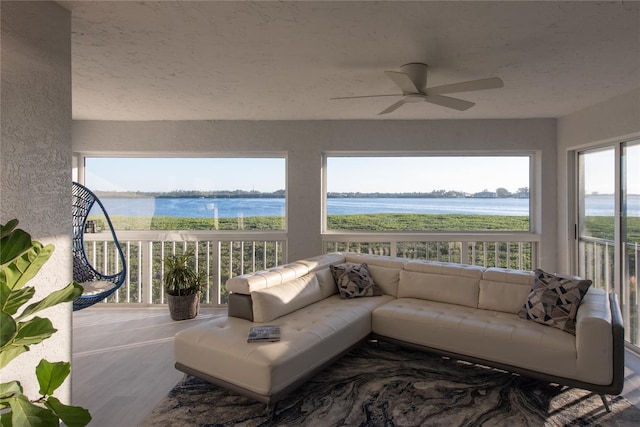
(183, 307)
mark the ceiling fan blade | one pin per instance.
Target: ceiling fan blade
(403, 81)
(393, 107)
(364, 96)
(482, 84)
(446, 101)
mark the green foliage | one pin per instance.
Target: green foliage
(427, 222)
(20, 260)
(603, 227)
(180, 278)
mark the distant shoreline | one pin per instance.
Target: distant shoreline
(280, 194)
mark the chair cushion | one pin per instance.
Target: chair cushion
(96, 287)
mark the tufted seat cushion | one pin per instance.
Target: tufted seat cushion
(484, 334)
(311, 337)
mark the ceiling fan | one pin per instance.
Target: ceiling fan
(412, 79)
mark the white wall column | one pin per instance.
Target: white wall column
(35, 161)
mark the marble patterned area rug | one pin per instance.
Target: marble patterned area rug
(379, 384)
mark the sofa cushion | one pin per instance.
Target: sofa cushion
(458, 290)
(326, 281)
(276, 301)
(485, 334)
(554, 300)
(385, 278)
(311, 337)
(504, 290)
(354, 281)
(246, 283)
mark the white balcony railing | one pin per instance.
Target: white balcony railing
(219, 254)
(597, 263)
(506, 250)
(224, 254)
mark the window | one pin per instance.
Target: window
(608, 225)
(190, 193)
(428, 193)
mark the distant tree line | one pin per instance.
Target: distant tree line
(500, 192)
(222, 194)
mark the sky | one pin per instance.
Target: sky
(426, 174)
(171, 174)
(600, 170)
(345, 174)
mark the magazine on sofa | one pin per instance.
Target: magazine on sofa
(268, 333)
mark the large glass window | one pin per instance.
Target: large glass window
(190, 193)
(428, 193)
(609, 225)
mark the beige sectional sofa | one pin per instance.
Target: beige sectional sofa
(467, 312)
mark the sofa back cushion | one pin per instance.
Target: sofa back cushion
(434, 281)
(276, 301)
(504, 290)
(246, 283)
(326, 282)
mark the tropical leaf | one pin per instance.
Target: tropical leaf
(13, 244)
(10, 300)
(10, 352)
(26, 414)
(71, 416)
(28, 333)
(8, 329)
(7, 228)
(9, 390)
(51, 375)
(66, 294)
(23, 268)
(33, 331)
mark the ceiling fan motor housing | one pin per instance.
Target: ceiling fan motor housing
(417, 72)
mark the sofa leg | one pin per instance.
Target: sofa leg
(271, 410)
(605, 402)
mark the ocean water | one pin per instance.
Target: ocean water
(600, 205)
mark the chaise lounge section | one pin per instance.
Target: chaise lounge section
(466, 312)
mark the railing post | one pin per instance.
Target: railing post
(128, 277)
(147, 272)
(218, 269)
(140, 270)
(207, 293)
(464, 253)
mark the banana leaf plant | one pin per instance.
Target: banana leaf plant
(20, 260)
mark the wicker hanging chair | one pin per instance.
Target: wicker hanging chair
(98, 286)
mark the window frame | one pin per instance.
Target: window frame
(79, 168)
(535, 176)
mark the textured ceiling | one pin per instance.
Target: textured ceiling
(284, 60)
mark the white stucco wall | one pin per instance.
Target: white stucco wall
(615, 120)
(35, 160)
(304, 142)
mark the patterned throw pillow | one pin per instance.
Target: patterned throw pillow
(354, 281)
(554, 300)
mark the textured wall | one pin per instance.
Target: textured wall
(304, 142)
(35, 165)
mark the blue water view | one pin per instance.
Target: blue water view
(599, 205)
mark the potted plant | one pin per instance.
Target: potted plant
(20, 260)
(182, 285)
